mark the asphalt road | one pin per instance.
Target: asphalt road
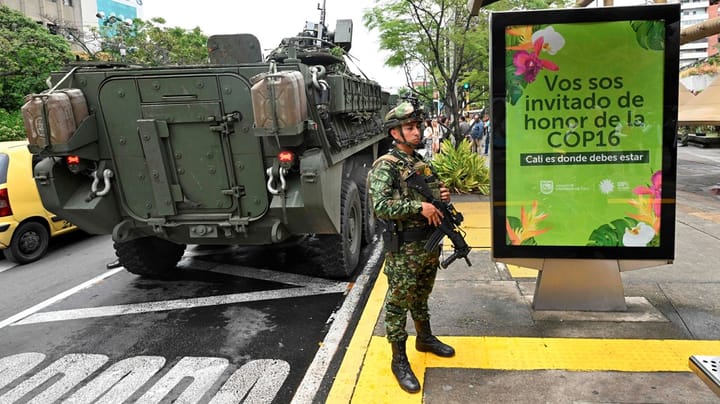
(233, 324)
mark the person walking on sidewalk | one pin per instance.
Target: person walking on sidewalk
(408, 223)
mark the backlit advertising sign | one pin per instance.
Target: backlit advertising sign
(584, 109)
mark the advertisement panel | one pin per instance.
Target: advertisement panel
(584, 122)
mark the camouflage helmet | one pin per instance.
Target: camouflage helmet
(403, 113)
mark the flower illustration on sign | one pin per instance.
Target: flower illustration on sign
(523, 61)
(648, 202)
(638, 236)
(523, 231)
(640, 229)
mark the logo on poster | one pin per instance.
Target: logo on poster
(547, 186)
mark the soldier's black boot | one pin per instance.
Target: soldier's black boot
(401, 368)
(426, 342)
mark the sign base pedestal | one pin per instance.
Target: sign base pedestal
(579, 284)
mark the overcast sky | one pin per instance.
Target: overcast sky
(272, 20)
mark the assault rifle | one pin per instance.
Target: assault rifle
(450, 225)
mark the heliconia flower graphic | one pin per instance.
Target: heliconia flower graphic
(655, 190)
(525, 34)
(528, 229)
(648, 202)
(638, 236)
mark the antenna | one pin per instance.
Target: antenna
(321, 26)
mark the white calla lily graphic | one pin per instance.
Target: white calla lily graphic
(638, 236)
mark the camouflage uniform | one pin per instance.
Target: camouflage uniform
(410, 271)
(409, 268)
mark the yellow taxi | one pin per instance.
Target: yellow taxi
(25, 226)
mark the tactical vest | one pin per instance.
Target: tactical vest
(403, 172)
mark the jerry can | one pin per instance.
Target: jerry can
(279, 101)
(56, 107)
(34, 120)
(78, 104)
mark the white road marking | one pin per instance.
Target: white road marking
(59, 297)
(14, 366)
(257, 381)
(119, 382)
(5, 265)
(203, 371)
(72, 369)
(138, 308)
(315, 373)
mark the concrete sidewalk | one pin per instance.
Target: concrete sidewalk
(508, 352)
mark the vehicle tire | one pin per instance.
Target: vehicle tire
(150, 257)
(29, 243)
(342, 251)
(369, 225)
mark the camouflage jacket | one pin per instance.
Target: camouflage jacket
(390, 197)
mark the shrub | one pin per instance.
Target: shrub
(461, 170)
(11, 125)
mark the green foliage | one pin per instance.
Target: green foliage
(150, 43)
(611, 234)
(11, 126)
(29, 54)
(461, 170)
(649, 34)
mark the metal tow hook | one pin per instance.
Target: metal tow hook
(106, 175)
(271, 180)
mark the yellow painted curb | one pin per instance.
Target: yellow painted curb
(352, 364)
(377, 383)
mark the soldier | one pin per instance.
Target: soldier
(408, 223)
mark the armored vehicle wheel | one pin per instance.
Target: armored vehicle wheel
(151, 257)
(369, 225)
(342, 251)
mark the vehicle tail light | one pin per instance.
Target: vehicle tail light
(5, 209)
(286, 158)
(74, 164)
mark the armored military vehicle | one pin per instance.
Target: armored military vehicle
(243, 151)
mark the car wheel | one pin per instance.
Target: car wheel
(29, 243)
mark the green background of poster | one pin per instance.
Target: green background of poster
(583, 198)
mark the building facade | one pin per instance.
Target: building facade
(75, 13)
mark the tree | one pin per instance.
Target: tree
(137, 41)
(30, 53)
(441, 38)
(150, 43)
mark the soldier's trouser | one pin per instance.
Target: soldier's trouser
(411, 276)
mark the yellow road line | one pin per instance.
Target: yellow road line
(352, 364)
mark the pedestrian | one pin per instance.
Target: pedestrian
(486, 133)
(435, 136)
(408, 221)
(428, 139)
(476, 134)
(464, 126)
(444, 131)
